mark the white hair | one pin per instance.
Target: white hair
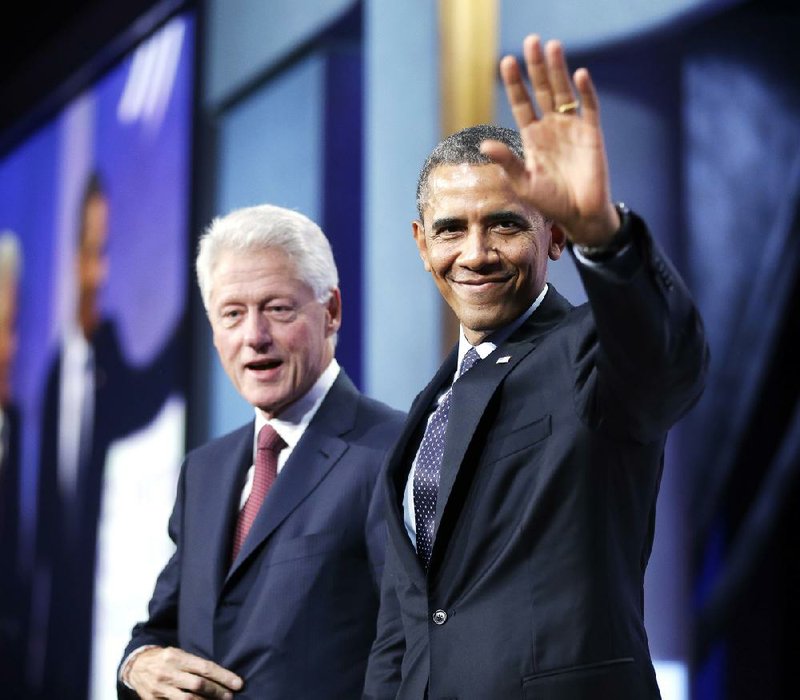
(268, 226)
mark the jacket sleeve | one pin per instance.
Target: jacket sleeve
(643, 364)
(375, 534)
(383, 670)
(161, 626)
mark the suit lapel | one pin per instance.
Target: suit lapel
(399, 465)
(224, 476)
(221, 474)
(471, 394)
(473, 391)
(319, 449)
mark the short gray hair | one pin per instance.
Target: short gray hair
(464, 147)
(269, 226)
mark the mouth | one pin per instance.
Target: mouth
(480, 284)
(265, 368)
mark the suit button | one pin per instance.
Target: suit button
(440, 617)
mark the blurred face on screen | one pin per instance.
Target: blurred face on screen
(8, 336)
(273, 337)
(92, 262)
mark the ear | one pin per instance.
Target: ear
(334, 308)
(558, 239)
(422, 244)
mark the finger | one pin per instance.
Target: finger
(537, 72)
(516, 93)
(500, 153)
(558, 74)
(590, 104)
(200, 687)
(198, 666)
(169, 693)
(172, 673)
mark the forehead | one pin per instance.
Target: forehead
(254, 273)
(466, 190)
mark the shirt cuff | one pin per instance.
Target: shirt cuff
(619, 266)
(124, 670)
(608, 263)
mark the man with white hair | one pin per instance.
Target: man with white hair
(273, 588)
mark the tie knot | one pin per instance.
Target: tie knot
(268, 439)
(469, 359)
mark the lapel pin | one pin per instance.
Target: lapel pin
(503, 360)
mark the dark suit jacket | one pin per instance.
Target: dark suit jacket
(295, 614)
(9, 496)
(126, 398)
(546, 502)
(13, 587)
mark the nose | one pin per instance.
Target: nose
(256, 330)
(476, 250)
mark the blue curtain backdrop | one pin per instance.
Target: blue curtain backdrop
(727, 81)
(741, 122)
(702, 117)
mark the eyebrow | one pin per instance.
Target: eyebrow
(446, 222)
(491, 218)
(497, 216)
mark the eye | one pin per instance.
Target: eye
(282, 313)
(448, 231)
(506, 226)
(230, 316)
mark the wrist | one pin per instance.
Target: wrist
(621, 238)
(127, 665)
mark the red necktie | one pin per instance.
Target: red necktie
(266, 469)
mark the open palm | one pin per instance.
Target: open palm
(565, 174)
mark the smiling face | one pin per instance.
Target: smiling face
(273, 337)
(485, 248)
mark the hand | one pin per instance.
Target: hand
(565, 174)
(167, 672)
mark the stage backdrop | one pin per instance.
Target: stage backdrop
(99, 516)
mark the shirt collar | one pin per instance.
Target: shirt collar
(293, 421)
(485, 348)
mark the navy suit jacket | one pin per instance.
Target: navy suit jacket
(295, 614)
(546, 502)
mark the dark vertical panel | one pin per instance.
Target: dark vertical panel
(342, 218)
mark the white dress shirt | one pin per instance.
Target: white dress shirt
(75, 409)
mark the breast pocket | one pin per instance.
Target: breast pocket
(504, 444)
(619, 679)
(305, 547)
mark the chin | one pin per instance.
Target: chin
(482, 323)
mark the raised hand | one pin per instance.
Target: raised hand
(565, 173)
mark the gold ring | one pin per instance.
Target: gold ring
(568, 107)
